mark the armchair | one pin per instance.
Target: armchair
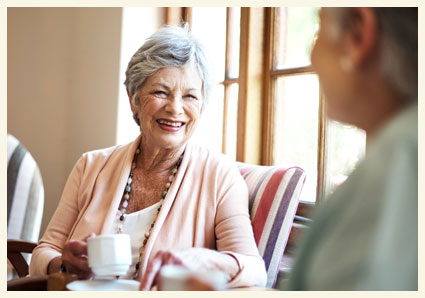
(273, 200)
(25, 203)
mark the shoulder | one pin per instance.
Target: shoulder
(105, 153)
(211, 161)
(400, 132)
(100, 157)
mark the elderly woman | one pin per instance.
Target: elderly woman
(365, 236)
(180, 203)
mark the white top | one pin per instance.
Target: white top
(135, 224)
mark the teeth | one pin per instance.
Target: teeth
(174, 124)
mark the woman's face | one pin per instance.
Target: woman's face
(170, 106)
(338, 84)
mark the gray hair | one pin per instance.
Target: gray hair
(398, 34)
(169, 46)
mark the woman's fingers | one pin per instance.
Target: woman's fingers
(154, 266)
(151, 272)
(193, 283)
(89, 236)
(74, 256)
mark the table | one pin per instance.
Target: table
(58, 281)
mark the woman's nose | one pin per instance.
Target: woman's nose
(175, 105)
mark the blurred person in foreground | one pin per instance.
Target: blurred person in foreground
(365, 235)
(180, 203)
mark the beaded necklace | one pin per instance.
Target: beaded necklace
(126, 197)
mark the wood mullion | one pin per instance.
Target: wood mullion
(177, 15)
(173, 16)
(250, 103)
(187, 15)
(268, 99)
(292, 71)
(225, 117)
(321, 149)
(230, 81)
(242, 100)
(229, 35)
(227, 63)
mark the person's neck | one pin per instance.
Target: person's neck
(383, 105)
(158, 160)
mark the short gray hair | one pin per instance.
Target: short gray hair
(169, 46)
(398, 34)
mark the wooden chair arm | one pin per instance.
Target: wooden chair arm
(15, 248)
(28, 283)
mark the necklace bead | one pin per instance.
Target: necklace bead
(126, 197)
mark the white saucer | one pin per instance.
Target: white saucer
(104, 285)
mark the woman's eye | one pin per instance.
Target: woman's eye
(192, 96)
(160, 93)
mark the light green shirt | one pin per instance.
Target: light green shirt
(365, 236)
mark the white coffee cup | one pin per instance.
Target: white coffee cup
(175, 278)
(109, 255)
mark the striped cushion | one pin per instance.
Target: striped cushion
(25, 193)
(273, 200)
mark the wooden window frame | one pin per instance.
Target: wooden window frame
(177, 15)
(266, 37)
(271, 74)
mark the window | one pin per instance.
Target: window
(300, 134)
(218, 127)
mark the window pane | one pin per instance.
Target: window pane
(295, 31)
(209, 132)
(232, 120)
(209, 25)
(233, 47)
(296, 127)
(345, 147)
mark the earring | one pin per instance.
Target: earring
(346, 64)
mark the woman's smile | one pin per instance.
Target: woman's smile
(170, 125)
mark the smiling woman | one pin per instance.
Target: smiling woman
(179, 202)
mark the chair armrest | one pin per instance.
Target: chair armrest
(15, 248)
(20, 246)
(28, 283)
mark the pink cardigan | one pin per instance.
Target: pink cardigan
(206, 206)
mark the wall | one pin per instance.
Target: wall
(62, 88)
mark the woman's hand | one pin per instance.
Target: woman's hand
(195, 259)
(161, 258)
(74, 257)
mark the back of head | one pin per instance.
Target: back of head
(170, 46)
(398, 45)
(398, 28)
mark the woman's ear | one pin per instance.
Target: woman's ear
(362, 36)
(130, 99)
